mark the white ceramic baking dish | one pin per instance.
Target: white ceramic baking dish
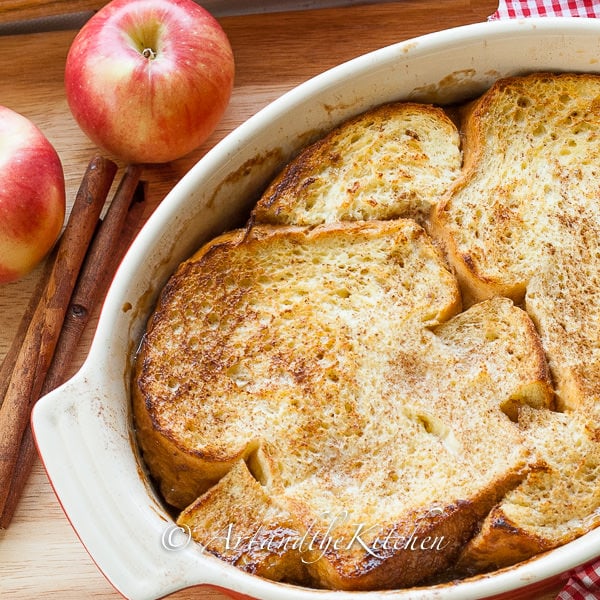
(83, 428)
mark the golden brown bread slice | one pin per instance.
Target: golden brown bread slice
(237, 521)
(524, 222)
(207, 318)
(554, 505)
(395, 160)
(377, 422)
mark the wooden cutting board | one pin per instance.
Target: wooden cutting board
(40, 556)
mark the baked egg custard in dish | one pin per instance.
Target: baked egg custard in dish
(389, 376)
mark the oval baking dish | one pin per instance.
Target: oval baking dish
(83, 429)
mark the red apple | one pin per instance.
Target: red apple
(148, 80)
(32, 195)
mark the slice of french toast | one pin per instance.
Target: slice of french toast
(524, 222)
(554, 505)
(331, 365)
(238, 521)
(395, 160)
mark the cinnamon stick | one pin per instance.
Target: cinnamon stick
(108, 247)
(100, 264)
(38, 346)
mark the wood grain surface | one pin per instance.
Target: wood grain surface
(40, 555)
(19, 10)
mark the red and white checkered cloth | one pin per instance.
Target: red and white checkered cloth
(517, 9)
(584, 583)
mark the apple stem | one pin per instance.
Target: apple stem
(149, 53)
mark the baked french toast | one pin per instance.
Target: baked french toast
(391, 376)
(332, 366)
(553, 505)
(524, 222)
(396, 160)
